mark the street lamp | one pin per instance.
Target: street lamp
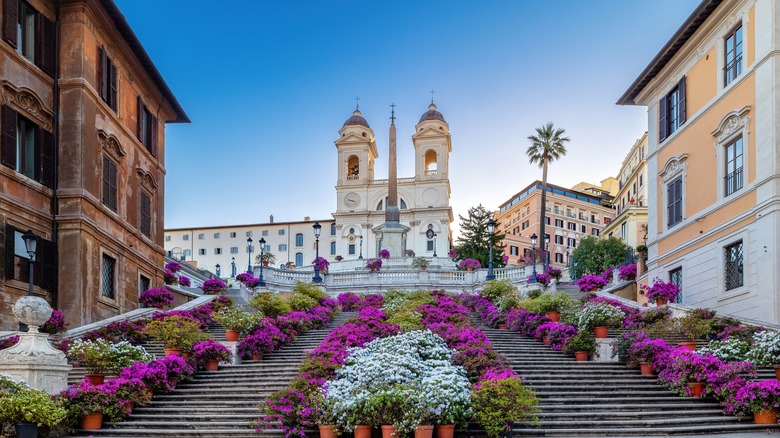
(249, 255)
(491, 227)
(233, 267)
(546, 251)
(361, 248)
(317, 228)
(533, 254)
(31, 245)
(262, 254)
(219, 270)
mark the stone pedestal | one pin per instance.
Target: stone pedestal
(603, 350)
(553, 285)
(393, 241)
(615, 276)
(33, 359)
(233, 347)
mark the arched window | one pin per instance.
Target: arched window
(353, 168)
(299, 239)
(431, 163)
(333, 229)
(332, 248)
(381, 205)
(298, 259)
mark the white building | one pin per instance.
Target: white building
(424, 199)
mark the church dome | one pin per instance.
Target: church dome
(432, 114)
(356, 119)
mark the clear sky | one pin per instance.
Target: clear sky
(268, 84)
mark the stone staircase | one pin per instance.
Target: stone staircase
(607, 398)
(220, 403)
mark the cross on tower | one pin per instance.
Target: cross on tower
(357, 102)
(432, 91)
(392, 113)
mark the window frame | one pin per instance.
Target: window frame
(674, 168)
(110, 186)
(672, 111)
(145, 223)
(112, 298)
(673, 275)
(733, 66)
(727, 287)
(730, 167)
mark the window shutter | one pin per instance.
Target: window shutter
(678, 198)
(113, 90)
(9, 137)
(681, 104)
(44, 45)
(48, 264)
(46, 158)
(153, 138)
(140, 133)
(669, 204)
(106, 185)
(112, 186)
(103, 75)
(10, 239)
(10, 21)
(663, 126)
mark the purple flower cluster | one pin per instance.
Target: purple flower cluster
(55, 324)
(559, 334)
(754, 397)
(384, 254)
(184, 281)
(8, 342)
(544, 278)
(173, 266)
(170, 277)
(373, 265)
(554, 272)
(661, 290)
(322, 264)
(627, 272)
(608, 274)
(589, 283)
(210, 350)
(273, 333)
(248, 280)
(213, 286)
(130, 331)
(469, 263)
(452, 254)
(371, 301)
(348, 301)
(157, 297)
(525, 321)
(638, 320)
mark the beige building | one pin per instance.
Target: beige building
(713, 158)
(289, 242)
(570, 215)
(608, 188)
(631, 199)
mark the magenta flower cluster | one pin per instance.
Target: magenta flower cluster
(213, 286)
(55, 324)
(348, 301)
(544, 278)
(588, 283)
(469, 263)
(273, 333)
(156, 297)
(558, 334)
(453, 254)
(662, 290)
(248, 280)
(373, 265)
(8, 342)
(209, 350)
(173, 266)
(554, 272)
(384, 254)
(184, 281)
(627, 272)
(322, 264)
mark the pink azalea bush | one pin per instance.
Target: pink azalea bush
(322, 264)
(55, 324)
(373, 265)
(213, 286)
(248, 280)
(384, 254)
(589, 283)
(156, 297)
(627, 272)
(173, 266)
(469, 263)
(755, 397)
(661, 290)
(184, 281)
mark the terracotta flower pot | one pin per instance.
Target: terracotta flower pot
(172, 351)
(257, 356)
(186, 354)
(697, 388)
(768, 416)
(326, 431)
(388, 431)
(646, 368)
(502, 326)
(601, 331)
(661, 302)
(777, 372)
(546, 340)
(95, 379)
(554, 316)
(363, 431)
(231, 335)
(212, 365)
(469, 268)
(423, 431)
(581, 356)
(689, 345)
(445, 431)
(265, 263)
(91, 421)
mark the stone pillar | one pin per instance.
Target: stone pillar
(233, 347)
(603, 350)
(33, 359)
(615, 276)
(553, 285)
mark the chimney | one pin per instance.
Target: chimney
(271, 219)
(307, 218)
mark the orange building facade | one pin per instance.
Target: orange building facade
(83, 114)
(714, 157)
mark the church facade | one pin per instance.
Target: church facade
(423, 199)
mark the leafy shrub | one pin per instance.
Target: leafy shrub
(730, 350)
(582, 341)
(497, 403)
(599, 314)
(310, 290)
(496, 289)
(101, 356)
(270, 304)
(175, 332)
(301, 302)
(237, 319)
(29, 405)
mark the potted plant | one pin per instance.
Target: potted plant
(642, 250)
(384, 254)
(55, 324)
(757, 398)
(765, 351)
(469, 264)
(266, 258)
(388, 408)
(374, 265)
(552, 304)
(176, 332)
(184, 281)
(590, 283)
(28, 409)
(686, 372)
(101, 356)
(322, 264)
(581, 345)
(88, 405)
(499, 403)
(544, 279)
(158, 298)
(248, 280)
(553, 272)
(646, 352)
(662, 292)
(236, 321)
(213, 286)
(599, 317)
(420, 262)
(627, 272)
(209, 353)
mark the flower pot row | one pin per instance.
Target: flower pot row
(422, 431)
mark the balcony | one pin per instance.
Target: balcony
(353, 177)
(433, 172)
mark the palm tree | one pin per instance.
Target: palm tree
(546, 146)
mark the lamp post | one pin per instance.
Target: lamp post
(317, 228)
(533, 254)
(233, 267)
(361, 248)
(262, 254)
(31, 245)
(219, 270)
(546, 252)
(249, 255)
(491, 227)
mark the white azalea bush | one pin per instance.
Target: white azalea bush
(728, 351)
(404, 380)
(599, 314)
(765, 350)
(101, 356)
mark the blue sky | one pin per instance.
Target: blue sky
(268, 84)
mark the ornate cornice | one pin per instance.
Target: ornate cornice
(28, 103)
(673, 167)
(732, 122)
(146, 179)
(110, 144)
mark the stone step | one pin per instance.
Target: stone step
(626, 415)
(682, 429)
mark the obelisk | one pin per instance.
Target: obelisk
(392, 214)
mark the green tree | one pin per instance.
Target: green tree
(474, 242)
(594, 256)
(547, 145)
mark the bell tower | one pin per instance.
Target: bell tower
(432, 146)
(356, 151)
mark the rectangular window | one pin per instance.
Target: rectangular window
(265, 233)
(185, 237)
(559, 223)
(332, 248)
(595, 231)
(572, 226)
(547, 220)
(671, 110)
(109, 185)
(558, 257)
(281, 232)
(248, 234)
(558, 240)
(202, 251)
(333, 229)
(201, 236)
(584, 229)
(733, 178)
(143, 283)
(108, 80)
(513, 250)
(217, 251)
(232, 234)
(147, 128)
(734, 268)
(167, 238)
(429, 246)
(674, 202)
(676, 277)
(109, 276)
(30, 32)
(733, 47)
(351, 249)
(282, 247)
(234, 250)
(571, 243)
(187, 253)
(525, 225)
(299, 239)
(25, 147)
(146, 215)
(216, 235)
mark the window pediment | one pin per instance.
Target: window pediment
(146, 179)
(110, 144)
(733, 122)
(28, 103)
(674, 166)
